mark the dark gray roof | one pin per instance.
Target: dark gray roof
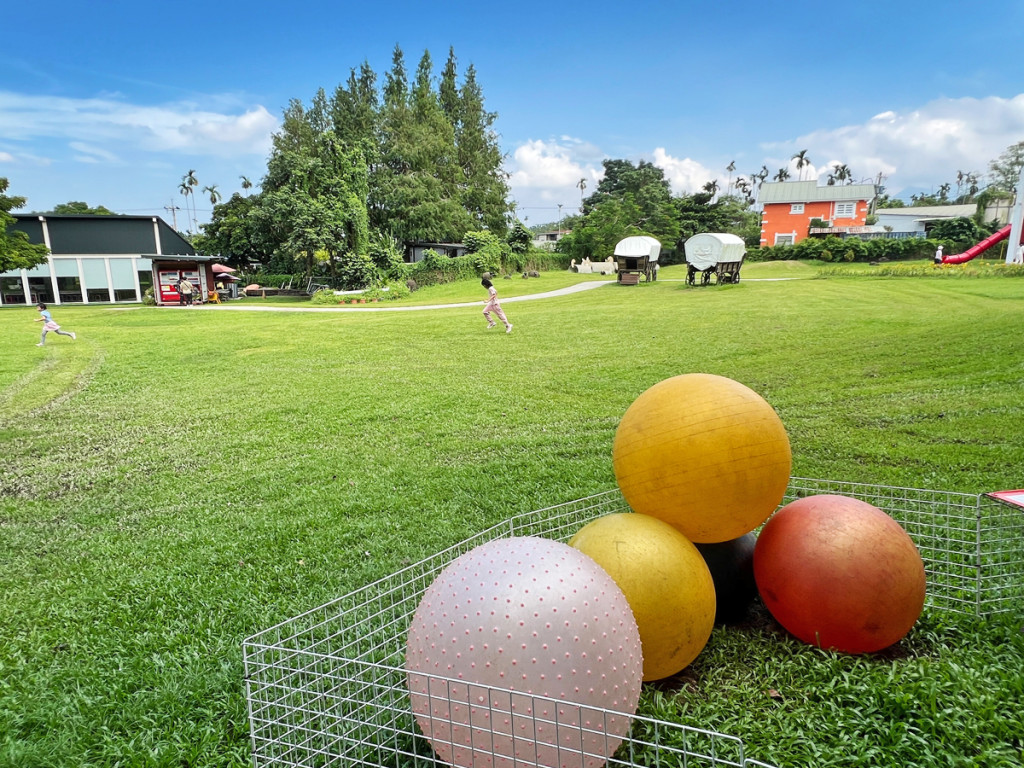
(92, 234)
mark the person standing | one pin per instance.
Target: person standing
(492, 305)
(49, 325)
(185, 290)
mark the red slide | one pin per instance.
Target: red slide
(974, 250)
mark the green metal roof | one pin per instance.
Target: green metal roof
(810, 192)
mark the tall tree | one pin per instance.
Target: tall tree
(16, 252)
(78, 207)
(192, 182)
(1005, 169)
(355, 108)
(629, 199)
(421, 190)
(485, 185)
(186, 190)
(802, 161)
(396, 81)
(213, 193)
(448, 90)
(782, 175)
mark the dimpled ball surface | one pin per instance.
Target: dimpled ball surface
(513, 653)
(839, 573)
(705, 454)
(665, 580)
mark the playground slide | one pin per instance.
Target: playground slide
(974, 250)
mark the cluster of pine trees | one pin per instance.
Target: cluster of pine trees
(355, 174)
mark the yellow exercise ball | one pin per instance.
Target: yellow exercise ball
(704, 453)
(665, 580)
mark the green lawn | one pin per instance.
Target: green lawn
(176, 480)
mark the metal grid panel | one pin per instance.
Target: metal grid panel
(328, 687)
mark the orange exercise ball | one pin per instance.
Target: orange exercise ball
(705, 454)
(839, 573)
(665, 580)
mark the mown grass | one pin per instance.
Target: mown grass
(176, 480)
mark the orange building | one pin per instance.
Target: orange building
(789, 207)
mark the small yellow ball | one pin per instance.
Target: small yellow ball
(665, 580)
(704, 453)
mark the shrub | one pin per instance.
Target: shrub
(825, 255)
(325, 296)
(386, 255)
(356, 270)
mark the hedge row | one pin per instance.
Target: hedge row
(853, 249)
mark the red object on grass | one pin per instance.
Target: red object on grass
(839, 573)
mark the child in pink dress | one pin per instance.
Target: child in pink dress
(492, 305)
(49, 325)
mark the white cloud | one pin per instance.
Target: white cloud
(6, 157)
(920, 148)
(107, 124)
(685, 175)
(91, 154)
(544, 174)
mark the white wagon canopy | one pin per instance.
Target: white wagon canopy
(639, 246)
(635, 256)
(720, 253)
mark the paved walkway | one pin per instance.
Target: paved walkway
(585, 286)
(530, 297)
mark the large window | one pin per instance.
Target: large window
(69, 285)
(12, 291)
(122, 273)
(785, 239)
(846, 210)
(95, 271)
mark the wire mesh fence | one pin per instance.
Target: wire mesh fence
(329, 687)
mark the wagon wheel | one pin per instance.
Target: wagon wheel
(705, 277)
(691, 274)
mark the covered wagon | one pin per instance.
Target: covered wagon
(717, 253)
(635, 256)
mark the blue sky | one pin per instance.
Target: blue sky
(113, 103)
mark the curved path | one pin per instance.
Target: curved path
(586, 286)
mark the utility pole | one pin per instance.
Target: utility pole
(174, 213)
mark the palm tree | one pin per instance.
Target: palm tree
(185, 190)
(802, 161)
(730, 168)
(582, 184)
(944, 192)
(213, 193)
(192, 182)
(246, 184)
(782, 175)
(843, 173)
(711, 188)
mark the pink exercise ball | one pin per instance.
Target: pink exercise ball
(839, 573)
(514, 653)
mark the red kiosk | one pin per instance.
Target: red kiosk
(167, 270)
